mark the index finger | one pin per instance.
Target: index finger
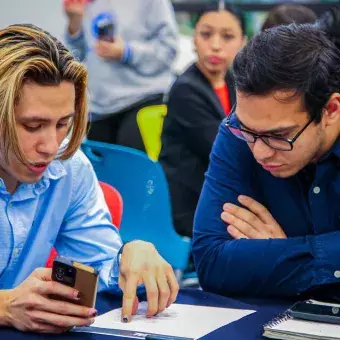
(261, 211)
(129, 295)
(56, 288)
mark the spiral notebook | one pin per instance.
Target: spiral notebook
(285, 327)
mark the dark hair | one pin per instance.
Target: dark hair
(289, 14)
(295, 57)
(235, 11)
(329, 22)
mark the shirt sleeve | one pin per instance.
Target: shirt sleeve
(77, 45)
(253, 267)
(87, 234)
(156, 52)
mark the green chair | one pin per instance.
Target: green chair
(150, 123)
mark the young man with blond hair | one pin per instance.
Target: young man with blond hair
(49, 194)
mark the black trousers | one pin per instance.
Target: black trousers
(121, 128)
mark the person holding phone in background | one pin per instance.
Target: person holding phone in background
(131, 71)
(50, 196)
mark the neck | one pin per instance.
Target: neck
(328, 143)
(216, 79)
(10, 183)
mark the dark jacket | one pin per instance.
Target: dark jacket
(190, 128)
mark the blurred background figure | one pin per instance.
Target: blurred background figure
(128, 47)
(198, 101)
(288, 14)
(329, 22)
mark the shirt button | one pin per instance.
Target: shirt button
(337, 274)
(316, 190)
(16, 252)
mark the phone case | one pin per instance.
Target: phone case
(87, 284)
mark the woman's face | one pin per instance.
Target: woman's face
(218, 38)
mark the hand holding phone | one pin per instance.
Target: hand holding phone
(78, 276)
(28, 307)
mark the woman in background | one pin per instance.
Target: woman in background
(287, 14)
(198, 101)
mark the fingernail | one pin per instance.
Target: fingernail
(125, 319)
(225, 215)
(77, 295)
(93, 312)
(227, 207)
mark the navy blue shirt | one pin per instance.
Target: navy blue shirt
(308, 258)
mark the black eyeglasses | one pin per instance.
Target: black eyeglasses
(277, 143)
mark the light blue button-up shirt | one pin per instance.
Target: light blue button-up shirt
(65, 209)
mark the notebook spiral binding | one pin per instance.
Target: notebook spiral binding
(277, 320)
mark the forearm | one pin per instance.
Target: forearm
(267, 267)
(4, 297)
(74, 26)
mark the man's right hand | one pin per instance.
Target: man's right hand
(74, 10)
(29, 308)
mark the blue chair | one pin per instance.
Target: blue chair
(147, 208)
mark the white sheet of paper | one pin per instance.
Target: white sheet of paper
(178, 320)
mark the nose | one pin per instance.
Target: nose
(261, 150)
(216, 42)
(49, 144)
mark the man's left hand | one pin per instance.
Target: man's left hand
(110, 50)
(141, 263)
(255, 222)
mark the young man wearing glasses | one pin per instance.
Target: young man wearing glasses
(268, 220)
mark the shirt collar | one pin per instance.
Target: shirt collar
(55, 171)
(334, 150)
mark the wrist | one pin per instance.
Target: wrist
(74, 26)
(5, 319)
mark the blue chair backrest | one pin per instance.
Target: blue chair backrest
(143, 186)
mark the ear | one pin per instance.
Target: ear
(332, 114)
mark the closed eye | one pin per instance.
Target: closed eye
(30, 128)
(61, 125)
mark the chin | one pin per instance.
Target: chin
(285, 173)
(215, 68)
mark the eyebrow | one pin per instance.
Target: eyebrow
(224, 29)
(271, 131)
(37, 119)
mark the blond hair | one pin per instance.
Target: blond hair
(29, 54)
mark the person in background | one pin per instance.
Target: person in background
(329, 22)
(267, 223)
(198, 101)
(50, 196)
(287, 14)
(128, 70)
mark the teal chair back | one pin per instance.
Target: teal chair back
(144, 189)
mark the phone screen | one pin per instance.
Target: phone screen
(311, 308)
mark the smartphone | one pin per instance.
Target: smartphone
(316, 311)
(103, 27)
(79, 276)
